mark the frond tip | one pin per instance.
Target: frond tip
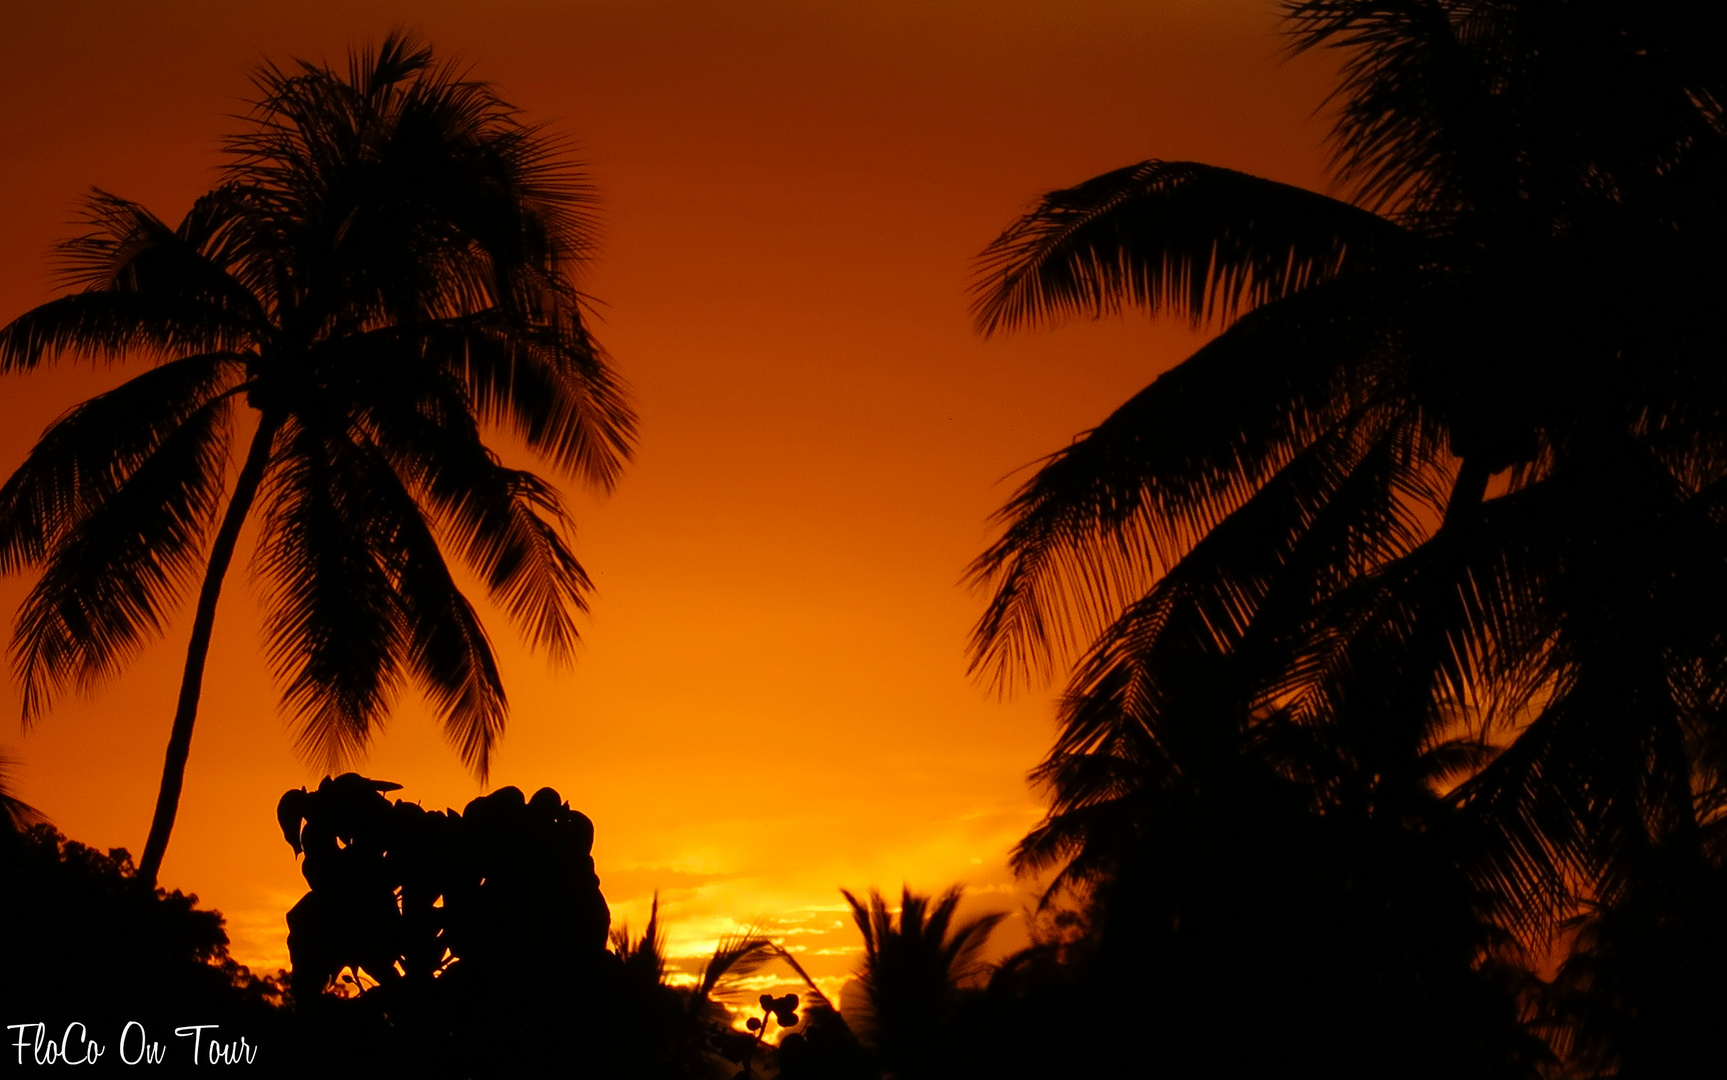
(1193, 240)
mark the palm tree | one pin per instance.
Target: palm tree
(912, 973)
(686, 1030)
(1640, 994)
(1438, 509)
(16, 815)
(384, 269)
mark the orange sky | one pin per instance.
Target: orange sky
(772, 702)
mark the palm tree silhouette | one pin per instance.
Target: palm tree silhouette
(912, 972)
(1640, 993)
(383, 269)
(1287, 541)
(685, 1030)
(16, 815)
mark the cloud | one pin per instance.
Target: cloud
(642, 882)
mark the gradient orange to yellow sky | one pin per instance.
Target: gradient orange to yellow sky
(772, 702)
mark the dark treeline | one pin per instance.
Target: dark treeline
(476, 943)
(1394, 620)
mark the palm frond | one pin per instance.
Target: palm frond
(89, 453)
(336, 629)
(110, 325)
(812, 992)
(448, 653)
(1327, 515)
(1444, 107)
(550, 386)
(644, 957)
(145, 288)
(1179, 237)
(114, 571)
(1165, 701)
(15, 814)
(736, 957)
(1102, 519)
(424, 145)
(508, 524)
(1417, 119)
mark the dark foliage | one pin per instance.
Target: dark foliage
(470, 943)
(1416, 569)
(88, 942)
(474, 944)
(1641, 994)
(915, 973)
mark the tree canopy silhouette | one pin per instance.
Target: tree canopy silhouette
(1433, 527)
(1516, 290)
(91, 943)
(912, 971)
(383, 271)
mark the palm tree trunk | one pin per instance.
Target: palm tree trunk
(192, 681)
(1469, 490)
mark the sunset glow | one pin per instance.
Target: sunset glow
(772, 703)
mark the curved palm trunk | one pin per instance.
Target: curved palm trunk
(1468, 492)
(192, 682)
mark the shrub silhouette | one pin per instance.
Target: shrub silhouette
(88, 941)
(471, 942)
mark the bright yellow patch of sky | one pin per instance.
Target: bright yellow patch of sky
(772, 702)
